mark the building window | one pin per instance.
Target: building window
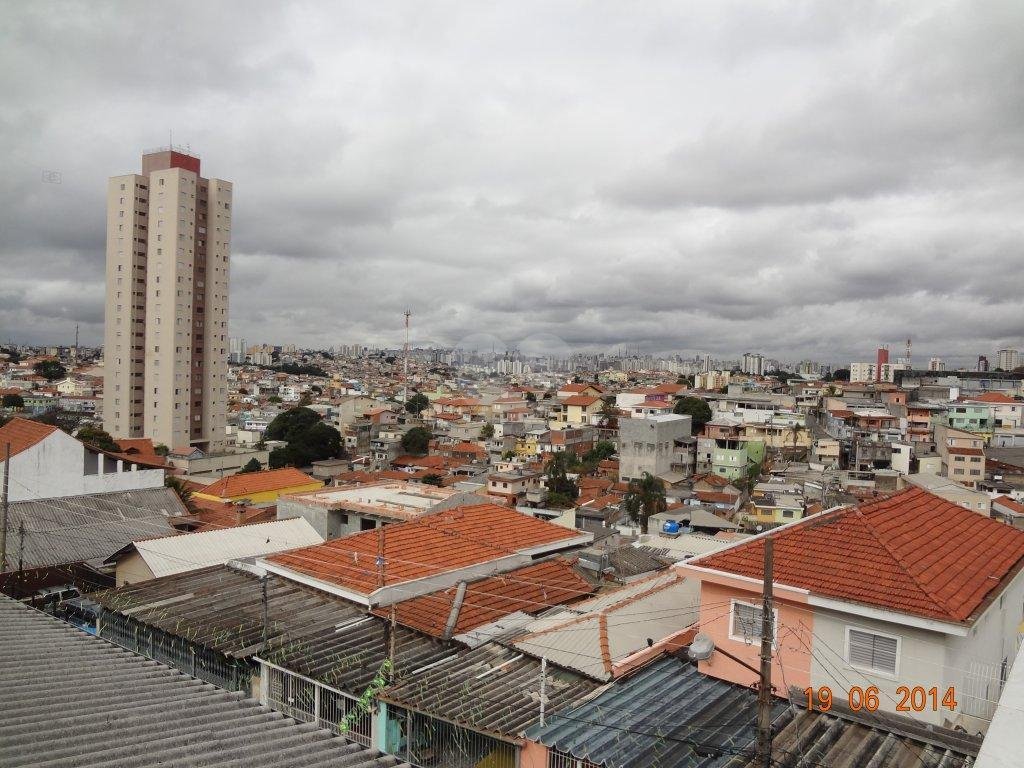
(872, 651)
(745, 622)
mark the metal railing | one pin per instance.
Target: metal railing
(426, 742)
(558, 759)
(309, 701)
(196, 660)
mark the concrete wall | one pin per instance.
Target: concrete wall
(55, 467)
(647, 445)
(132, 569)
(226, 463)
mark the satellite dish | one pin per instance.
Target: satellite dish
(702, 647)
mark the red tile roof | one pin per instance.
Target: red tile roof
(991, 397)
(23, 434)
(1012, 504)
(965, 451)
(441, 542)
(910, 552)
(531, 589)
(257, 482)
(584, 401)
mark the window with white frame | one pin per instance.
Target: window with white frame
(872, 651)
(745, 622)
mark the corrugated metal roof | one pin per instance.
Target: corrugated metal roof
(489, 689)
(70, 699)
(595, 635)
(670, 715)
(74, 529)
(189, 551)
(309, 631)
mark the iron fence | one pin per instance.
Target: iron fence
(558, 759)
(426, 742)
(196, 660)
(309, 701)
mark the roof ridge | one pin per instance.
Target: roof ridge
(896, 558)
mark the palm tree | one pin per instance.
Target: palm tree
(645, 497)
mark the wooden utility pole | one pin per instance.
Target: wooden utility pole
(21, 559)
(764, 689)
(266, 610)
(4, 508)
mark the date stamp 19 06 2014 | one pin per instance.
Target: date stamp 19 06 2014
(908, 698)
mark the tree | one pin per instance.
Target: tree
(252, 465)
(306, 398)
(293, 422)
(178, 485)
(558, 501)
(274, 399)
(13, 400)
(432, 479)
(558, 481)
(416, 441)
(12, 354)
(417, 403)
(98, 438)
(50, 369)
(487, 431)
(699, 410)
(841, 374)
(531, 398)
(603, 449)
(66, 421)
(645, 497)
(161, 450)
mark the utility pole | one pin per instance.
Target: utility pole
(266, 610)
(543, 687)
(21, 559)
(764, 688)
(4, 508)
(389, 625)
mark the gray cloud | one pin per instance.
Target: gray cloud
(807, 180)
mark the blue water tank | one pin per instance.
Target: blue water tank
(670, 526)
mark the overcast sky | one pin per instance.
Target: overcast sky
(807, 180)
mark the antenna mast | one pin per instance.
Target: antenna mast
(405, 375)
(909, 365)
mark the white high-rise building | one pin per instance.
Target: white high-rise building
(753, 364)
(165, 340)
(1007, 359)
(236, 349)
(936, 364)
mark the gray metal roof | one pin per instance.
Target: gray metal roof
(489, 689)
(670, 715)
(310, 632)
(70, 699)
(75, 529)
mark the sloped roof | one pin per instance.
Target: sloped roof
(74, 529)
(911, 552)
(22, 434)
(670, 715)
(531, 589)
(189, 551)
(595, 635)
(257, 482)
(584, 401)
(73, 699)
(438, 543)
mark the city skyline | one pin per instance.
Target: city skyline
(711, 179)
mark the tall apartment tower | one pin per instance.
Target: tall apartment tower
(165, 341)
(881, 359)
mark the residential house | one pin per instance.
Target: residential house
(513, 487)
(576, 411)
(259, 488)
(657, 445)
(48, 463)
(962, 454)
(152, 558)
(889, 593)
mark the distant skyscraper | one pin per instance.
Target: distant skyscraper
(753, 364)
(936, 364)
(1007, 359)
(881, 358)
(165, 341)
(982, 363)
(236, 349)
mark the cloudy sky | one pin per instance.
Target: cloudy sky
(802, 179)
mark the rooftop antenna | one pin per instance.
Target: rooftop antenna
(908, 353)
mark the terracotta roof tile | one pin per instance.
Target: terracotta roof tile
(257, 482)
(910, 552)
(437, 543)
(584, 401)
(531, 589)
(23, 434)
